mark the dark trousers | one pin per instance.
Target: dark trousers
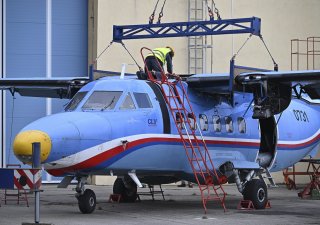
(153, 64)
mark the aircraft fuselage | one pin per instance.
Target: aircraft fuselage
(126, 126)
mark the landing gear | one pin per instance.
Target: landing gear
(87, 201)
(86, 197)
(256, 191)
(126, 188)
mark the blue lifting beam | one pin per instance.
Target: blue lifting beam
(185, 29)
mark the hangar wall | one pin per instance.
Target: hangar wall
(2, 152)
(42, 39)
(281, 21)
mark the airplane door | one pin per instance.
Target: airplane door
(268, 142)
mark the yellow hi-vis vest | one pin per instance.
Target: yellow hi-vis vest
(161, 53)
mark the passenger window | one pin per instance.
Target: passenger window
(192, 121)
(72, 105)
(203, 122)
(128, 103)
(143, 100)
(241, 125)
(102, 100)
(229, 124)
(180, 120)
(216, 124)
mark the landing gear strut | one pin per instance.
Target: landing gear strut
(127, 188)
(256, 191)
(86, 197)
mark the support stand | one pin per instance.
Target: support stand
(36, 164)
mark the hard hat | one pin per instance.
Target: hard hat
(172, 51)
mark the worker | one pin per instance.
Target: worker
(160, 57)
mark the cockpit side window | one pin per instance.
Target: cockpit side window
(127, 103)
(102, 100)
(142, 100)
(72, 105)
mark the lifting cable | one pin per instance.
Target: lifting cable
(275, 65)
(265, 45)
(95, 61)
(234, 56)
(151, 18)
(216, 10)
(210, 11)
(161, 12)
(124, 46)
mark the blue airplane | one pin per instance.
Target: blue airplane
(192, 128)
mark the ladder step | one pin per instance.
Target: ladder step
(193, 147)
(196, 160)
(169, 96)
(177, 109)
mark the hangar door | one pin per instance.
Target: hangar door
(43, 38)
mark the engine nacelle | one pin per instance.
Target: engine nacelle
(269, 98)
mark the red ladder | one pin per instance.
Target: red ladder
(196, 149)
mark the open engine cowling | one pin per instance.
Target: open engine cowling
(270, 98)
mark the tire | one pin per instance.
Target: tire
(87, 202)
(127, 194)
(256, 191)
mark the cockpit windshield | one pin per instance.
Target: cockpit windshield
(72, 105)
(102, 100)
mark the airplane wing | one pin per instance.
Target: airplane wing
(209, 83)
(309, 79)
(52, 88)
(272, 90)
(214, 84)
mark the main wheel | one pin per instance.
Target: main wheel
(87, 201)
(256, 191)
(129, 193)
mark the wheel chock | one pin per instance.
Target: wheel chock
(245, 205)
(115, 198)
(268, 205)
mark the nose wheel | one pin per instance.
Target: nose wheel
(256, 191)
(86, 197)
(87, 201)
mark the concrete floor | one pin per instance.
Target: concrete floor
(182, 206)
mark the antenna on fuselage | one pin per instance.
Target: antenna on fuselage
(123, 70)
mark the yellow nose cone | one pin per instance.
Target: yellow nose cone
(22, 145)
